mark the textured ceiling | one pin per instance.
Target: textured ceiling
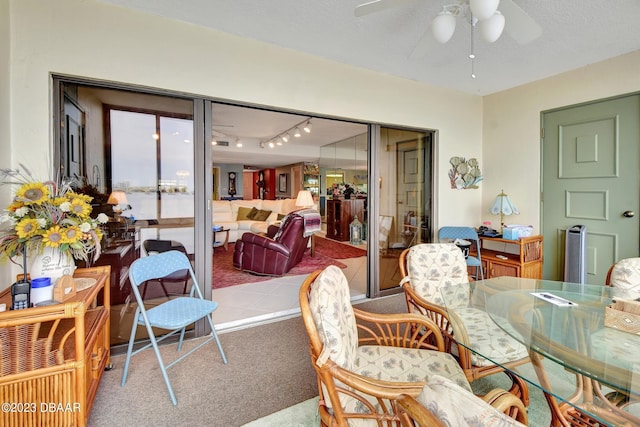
(575, 33)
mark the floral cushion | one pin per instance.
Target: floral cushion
(330, 304)
(434, 266)
(329, 301)
(489, 339)
(626, 274)
(455, 406)
(407, 364)
(402, 365)
(438, 268)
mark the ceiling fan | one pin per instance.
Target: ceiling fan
(482, 15)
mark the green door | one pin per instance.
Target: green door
(591, 177)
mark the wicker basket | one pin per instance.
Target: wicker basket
(623, 315)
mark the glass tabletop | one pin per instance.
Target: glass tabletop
(563, 322)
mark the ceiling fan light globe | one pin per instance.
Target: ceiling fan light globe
(443, 27)
(491, 29)
(483, 9)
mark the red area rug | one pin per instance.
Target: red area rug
(337, 250)
(224, 275)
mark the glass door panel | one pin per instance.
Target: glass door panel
(405, 197)
(152, 164)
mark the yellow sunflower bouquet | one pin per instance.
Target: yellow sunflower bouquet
(47, 214)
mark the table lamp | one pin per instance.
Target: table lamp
(118, 199)
(305, 199)
(503, 206)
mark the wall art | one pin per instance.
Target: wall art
(464, 174)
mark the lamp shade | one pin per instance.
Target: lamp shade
(483, 9)
(491, 29)
(443, 26)
(304, 199)
(117, 198)
(504, 205)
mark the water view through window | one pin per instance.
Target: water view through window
(152, 161)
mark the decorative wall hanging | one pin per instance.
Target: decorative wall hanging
(464, 173)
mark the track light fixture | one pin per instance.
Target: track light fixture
(284, 137)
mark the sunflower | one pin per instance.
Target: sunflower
(27, 228)
(71, 235)
(33, 193)
(53, 237)
(86, 198)
(80, 208)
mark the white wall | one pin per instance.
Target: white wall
(511, 129)
(6, 273)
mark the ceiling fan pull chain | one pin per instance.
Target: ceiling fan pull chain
(472, 54)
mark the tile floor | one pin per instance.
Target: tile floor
(252, 303)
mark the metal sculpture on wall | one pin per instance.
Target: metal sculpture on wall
(464, 174)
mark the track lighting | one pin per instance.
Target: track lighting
(285, 137)
(296, 133)
(307, 127)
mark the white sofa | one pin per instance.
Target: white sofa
(225, 214)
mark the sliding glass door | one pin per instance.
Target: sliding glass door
(404, 183)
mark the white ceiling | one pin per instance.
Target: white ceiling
(575, 33)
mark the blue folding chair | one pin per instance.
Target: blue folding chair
(466, 233)
(173, 315)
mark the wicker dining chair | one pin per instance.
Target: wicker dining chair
(363, 360)
(426, 269)
(625, 276)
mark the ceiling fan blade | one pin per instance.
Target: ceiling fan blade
(520, 26)
(377, 6)
(425, 44)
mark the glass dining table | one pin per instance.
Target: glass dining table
(563, 324)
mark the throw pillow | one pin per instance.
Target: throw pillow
(243, 213)
(252, 213)
(261, 215)
(281, 216)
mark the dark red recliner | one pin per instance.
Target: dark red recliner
(272, 256)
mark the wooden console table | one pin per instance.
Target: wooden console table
(516, 258)
(52, 357)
